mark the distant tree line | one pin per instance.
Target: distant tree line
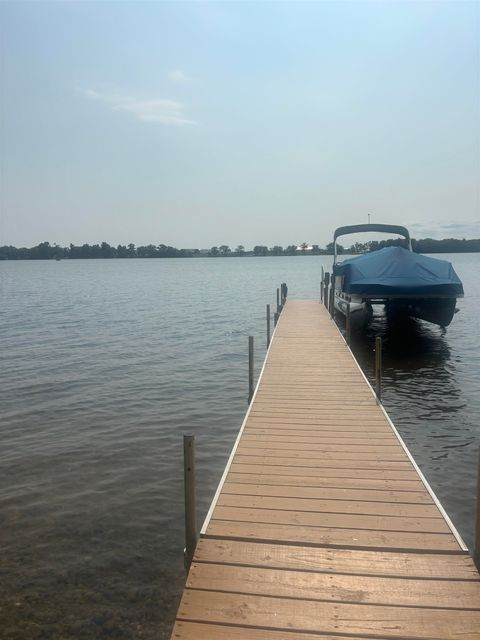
(46, 251)
(425, 245)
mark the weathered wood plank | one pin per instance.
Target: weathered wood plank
(348, 561)
(185, 630)
(321, 424)
(350, 494)
(326, 617)
(315, 454)
(405, 472)
(337, 461)
(253, 434)
(312, 396)
(334, 587)
(332, 520)
(342, 483)
(330, 505)
(365, 405)
(316, 448)
(326, 416)
(353, 538)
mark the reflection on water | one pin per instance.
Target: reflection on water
(408, 344)
(416, 367)
(105, 364)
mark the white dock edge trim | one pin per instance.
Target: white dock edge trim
(235, 446)
(445, 515)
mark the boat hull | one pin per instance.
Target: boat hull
(438, 311)
(361, 311)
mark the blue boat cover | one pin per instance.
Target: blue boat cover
(396, 271)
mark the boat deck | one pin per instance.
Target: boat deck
(323, 527)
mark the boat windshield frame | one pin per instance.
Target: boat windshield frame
(365, 228)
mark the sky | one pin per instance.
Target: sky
(196, 124)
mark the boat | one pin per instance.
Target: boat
(406, 283)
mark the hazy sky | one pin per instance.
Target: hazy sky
(205, 123)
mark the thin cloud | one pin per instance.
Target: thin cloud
(163, 111)
(179, 77)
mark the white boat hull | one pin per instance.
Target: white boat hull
(360, 310)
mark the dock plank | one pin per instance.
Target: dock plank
(330, 536)
(336, 482)
(355, 521)
(348, 561)
(327, 460)
(185, 630)
(313, 448)
(323, 471)
(350, 494)
(327, 617)
(335, 587)
(316, 505)
(314, 437)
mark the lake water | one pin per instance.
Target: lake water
(105, 364)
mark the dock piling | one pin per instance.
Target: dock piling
(191, 535)
(278, 300)
(283, 290)
(250, 368)
(275, 318)
(378, 368)
(321, 284)
(348, 324)
(326, 282)
(268, 325)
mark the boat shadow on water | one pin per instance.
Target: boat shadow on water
(417, 365)
(419, 374)
(419, 378)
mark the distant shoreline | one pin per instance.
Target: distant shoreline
(46, 251)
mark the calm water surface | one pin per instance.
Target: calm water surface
(105, 364)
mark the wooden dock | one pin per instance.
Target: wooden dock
(323, 527)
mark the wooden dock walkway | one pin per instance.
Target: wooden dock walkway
(323, 527)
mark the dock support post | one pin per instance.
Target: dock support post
(278, 300)
(326, 281)
(348, 324)
(268, 325)
(250, 368)
(284, 290)
(476, 551)
(378, 368)
(191, 535)
(332, 299)
(321, 285)
(275, 318)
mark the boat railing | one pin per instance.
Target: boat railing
(366, 228)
